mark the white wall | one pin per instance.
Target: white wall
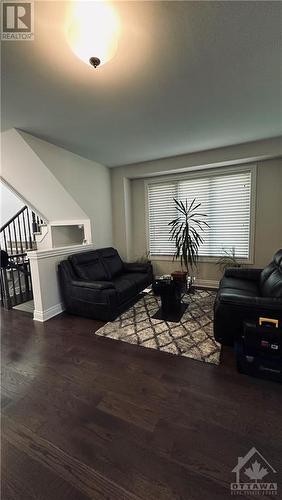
(10, 204)
(87, 182)
(37, 186)
(45, 284)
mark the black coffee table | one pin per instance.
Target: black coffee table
(171, 294)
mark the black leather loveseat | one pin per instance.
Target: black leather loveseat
(247, 294)
(99, 285)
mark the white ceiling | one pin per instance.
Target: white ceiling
(187, 76)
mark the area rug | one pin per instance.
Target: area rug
(191, 337)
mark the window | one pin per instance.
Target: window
(225, 199)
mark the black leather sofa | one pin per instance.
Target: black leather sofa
(247, 294)
(99, 285)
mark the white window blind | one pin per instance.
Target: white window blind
(225, 199)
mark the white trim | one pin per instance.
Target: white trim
(147, 240)
(207, 283)
(54, 252)
(48, 313)
(253, 212)
(69, 222)
(163, 179)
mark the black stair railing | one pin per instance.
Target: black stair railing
(15, 279)
(17, 233)
(17, 237)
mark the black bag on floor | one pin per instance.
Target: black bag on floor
(259, 350)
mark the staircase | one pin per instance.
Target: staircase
(17, 237)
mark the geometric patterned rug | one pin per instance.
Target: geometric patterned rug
(191, 337)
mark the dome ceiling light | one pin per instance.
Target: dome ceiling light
(92, 31)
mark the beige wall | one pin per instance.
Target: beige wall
(25, 172)
(268, 231)
(268, 227)
(87, 182)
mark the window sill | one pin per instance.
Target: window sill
(203, 259)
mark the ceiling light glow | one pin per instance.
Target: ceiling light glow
(92, 31)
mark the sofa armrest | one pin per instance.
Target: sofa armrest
(243, 273)
(94, 285)
(273, 304)
(135, 267)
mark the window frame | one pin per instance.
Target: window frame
(212, 172)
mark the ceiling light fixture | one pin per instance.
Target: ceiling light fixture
(92, 31)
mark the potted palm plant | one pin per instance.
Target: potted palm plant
(229, 259)
(186, 230)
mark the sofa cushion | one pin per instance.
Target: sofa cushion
(271, 277)
(89, 266)
(240, 284)
(222, 292)
(126, 289)
(243, 273)
(139, 279)
(111, 260)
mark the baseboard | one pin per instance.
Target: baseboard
(48, 313)
(207, 283)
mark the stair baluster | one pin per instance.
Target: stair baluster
(17, 237)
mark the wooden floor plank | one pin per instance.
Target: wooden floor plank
(98, 419)
(34, 481)
(76, 473)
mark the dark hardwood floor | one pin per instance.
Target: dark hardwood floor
(87, 417)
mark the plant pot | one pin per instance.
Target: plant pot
(180, 280)
(179, 276)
